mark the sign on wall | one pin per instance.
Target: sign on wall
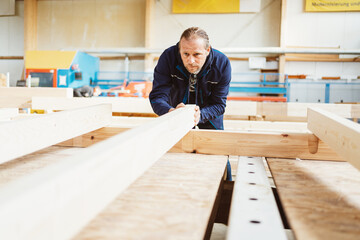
(215, 6)
(332, 5)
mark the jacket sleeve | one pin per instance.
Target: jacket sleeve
(160, 93)
(218, 96)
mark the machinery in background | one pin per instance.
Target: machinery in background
(124, 84)
(63, 69)
(74, 69)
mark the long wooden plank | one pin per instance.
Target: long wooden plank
(8, 113)
(20, 97)
(274, 143)
(339, 133)
(120, 124)
(234, 109)
(265, 126)
(321, 199)
(57, 201)
(119, 104)
(33, 162)
(172, 200)
(256, 144)
(36, 92)
(21, 137)
(15, 102)
(269, 110)
(129, 122)
(254, 213)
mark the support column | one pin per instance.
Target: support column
(149, 58)
(282, 40)
(30, 25)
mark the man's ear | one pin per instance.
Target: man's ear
(208, 50)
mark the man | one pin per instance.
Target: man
(191, 72)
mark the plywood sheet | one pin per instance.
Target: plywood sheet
(172, 200)
(29, 164)
(321, 199)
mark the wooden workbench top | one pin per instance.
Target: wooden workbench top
(321, 199)
(172, 200)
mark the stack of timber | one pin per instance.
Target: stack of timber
(21, 97)
(235, 110)
(118, 173)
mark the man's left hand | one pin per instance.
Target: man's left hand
(196, 115)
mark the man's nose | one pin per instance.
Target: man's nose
(191, 59)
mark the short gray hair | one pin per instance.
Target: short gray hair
(194, 32)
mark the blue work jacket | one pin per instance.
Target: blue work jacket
(171, 86)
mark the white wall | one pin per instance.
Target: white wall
(225, 30)
(120, 23)
(322, 29)
(12, 43)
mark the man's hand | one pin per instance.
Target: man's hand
(196, 115)
(180, 105)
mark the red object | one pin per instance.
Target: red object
(53, 71)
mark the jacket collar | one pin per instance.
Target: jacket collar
(204, 70)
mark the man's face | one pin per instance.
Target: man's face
(193, 53)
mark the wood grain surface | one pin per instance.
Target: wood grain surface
(172, 200)
(321, 199)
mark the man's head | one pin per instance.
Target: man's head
(194, 48)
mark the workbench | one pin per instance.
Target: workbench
(64, 176)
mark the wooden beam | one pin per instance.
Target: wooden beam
(316, 59)
(11, 57)
(119, 104)
(342, 135)
(30, 25)
(234, 109)
(254, 213)
(149, 22)
(233, 125)
(36, 92)
(287, 110)
(8, 113)
(21, 137)
(58, 201)
(157, 202)
(320, 199)
(121, 124)
(265, 126)
(20, 97)
(15, 102)
(256, 144)
(283, 23)
(283, 28)
(253, 142)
